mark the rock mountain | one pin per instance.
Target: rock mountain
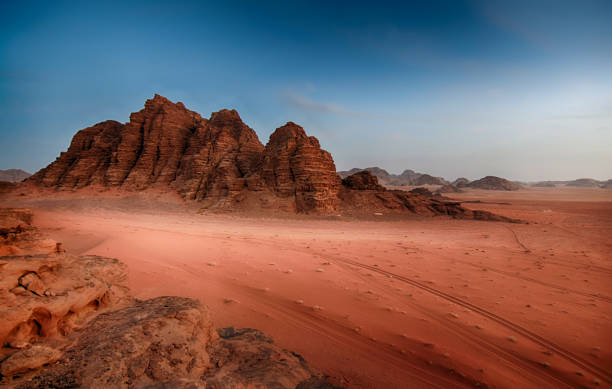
(221, 163)
(216, 160)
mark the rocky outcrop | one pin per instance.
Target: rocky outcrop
(295, 166)
(46, 295)
(167, 342)
(19, 237)
(363, 180)
(13, 175)
(154, 341)
(247, 358)
(494, 183)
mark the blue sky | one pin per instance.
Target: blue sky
(519, 89)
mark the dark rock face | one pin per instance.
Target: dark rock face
(494, 183)
(363, 180)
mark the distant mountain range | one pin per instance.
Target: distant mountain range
(579, 183)
(13, 175)
(412, 178)
(407, 178)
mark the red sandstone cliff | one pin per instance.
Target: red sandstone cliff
(221, 163)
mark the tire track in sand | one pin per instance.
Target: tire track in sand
(564, 353)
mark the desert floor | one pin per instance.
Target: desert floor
(388, 304)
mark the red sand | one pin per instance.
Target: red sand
(386, 304)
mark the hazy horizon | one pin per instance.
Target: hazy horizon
(517, 90)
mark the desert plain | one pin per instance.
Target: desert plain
(380, 302)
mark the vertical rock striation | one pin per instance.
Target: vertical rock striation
(294, 165)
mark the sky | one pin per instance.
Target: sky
(517, 89)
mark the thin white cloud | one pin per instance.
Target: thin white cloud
(307, 104)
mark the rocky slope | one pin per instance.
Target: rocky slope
(69, 322)
(493, 183)
(13, 175)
